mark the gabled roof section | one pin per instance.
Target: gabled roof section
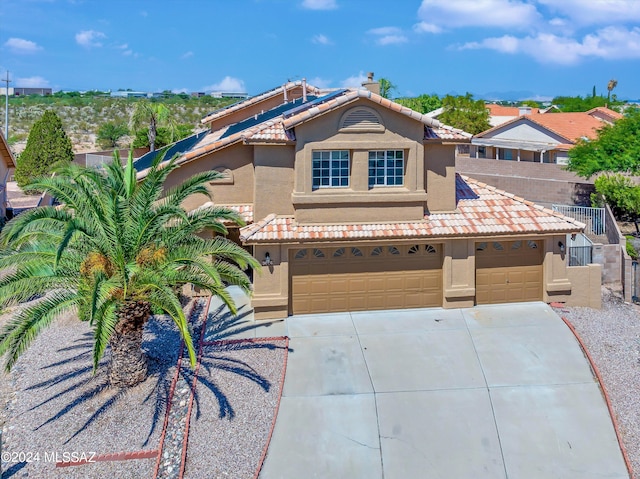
(311, 90)
(349, 96)
(570, 126)
(6, 153)
(482, 210)
(277, 125)
(607, 113)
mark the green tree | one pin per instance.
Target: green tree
(151, 115)
(386, 87)
(423, 103)
(110, 133)
(621, 193)
(616, 149)
(115, 249)
(47, 145)
(577, 103)
(531, 103)
(164, 136)
(465, 113)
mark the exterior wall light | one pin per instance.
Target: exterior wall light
(267, 260)
(561, 246)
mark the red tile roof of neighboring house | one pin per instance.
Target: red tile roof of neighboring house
(482, 210)
(570, 126)
(604, 111)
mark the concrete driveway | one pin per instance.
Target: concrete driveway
(489, 392)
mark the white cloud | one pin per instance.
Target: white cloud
(20, 45)
(32, 82)
(320, 4)
(354, 81)
(436, 15)
(89, 38)
(186, 55)
(388, 35)
(424, 27)
(596, 12)
(228, 84)
(179, 90)
(319, 82)
(607, 43)
(321, 39)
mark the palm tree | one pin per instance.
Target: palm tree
(610, 86)
(153, 115)
(114, 250)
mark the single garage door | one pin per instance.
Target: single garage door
(508, 271)
(365, 278)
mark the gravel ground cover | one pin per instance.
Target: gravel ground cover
(59, 406)
(612, 337)
(239, 385)
(51, 404)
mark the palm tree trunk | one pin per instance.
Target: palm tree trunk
(128, 362)
(152, 134)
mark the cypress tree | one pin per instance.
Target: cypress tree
(47, 145)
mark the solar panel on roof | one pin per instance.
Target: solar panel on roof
(311, 103)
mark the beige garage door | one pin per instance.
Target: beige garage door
(508, 271)
(365, 278)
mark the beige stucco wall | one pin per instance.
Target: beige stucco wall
(358, 202)
(459, 279)
(273, 180)
(238, 159)
(586, 286)
(440, 161)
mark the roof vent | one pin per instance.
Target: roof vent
(361, 119)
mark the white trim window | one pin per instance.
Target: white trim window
(330, 169)
(386, 168)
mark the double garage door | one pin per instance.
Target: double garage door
(508, 271)
(365, 278)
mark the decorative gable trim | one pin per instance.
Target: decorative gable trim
(361, 119)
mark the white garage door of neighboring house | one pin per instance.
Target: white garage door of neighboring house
(356, 278)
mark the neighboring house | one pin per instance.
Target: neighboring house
(7, 164)
(540, 137)
(353, 203)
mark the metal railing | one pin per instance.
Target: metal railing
(580, 250)
(580, 255)
(594, 218)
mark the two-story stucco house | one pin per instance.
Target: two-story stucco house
(353, 203)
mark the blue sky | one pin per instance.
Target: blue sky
(491, 48)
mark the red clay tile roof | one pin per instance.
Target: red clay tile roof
(482, 211)
(604, 111)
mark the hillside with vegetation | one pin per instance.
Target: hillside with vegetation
(85, 115)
